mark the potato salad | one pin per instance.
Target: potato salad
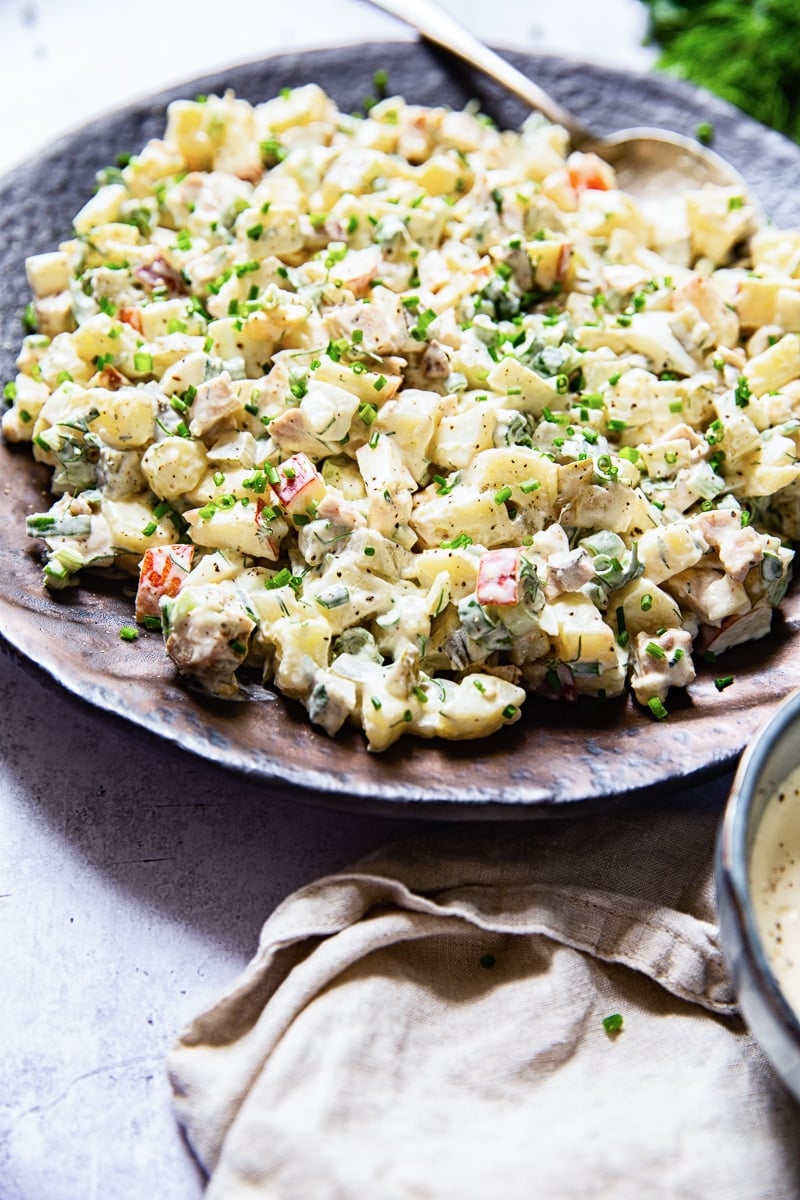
(411, 417)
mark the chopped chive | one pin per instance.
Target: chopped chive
(612, 1023)
(257, 482)
(657, 708)
(128, 633)
(280, 579)
(723, 682)
(742, 393)
(420, 330)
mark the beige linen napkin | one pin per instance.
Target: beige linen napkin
(429, 1025)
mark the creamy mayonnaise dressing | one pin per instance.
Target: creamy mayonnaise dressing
(775, 884)
(414, 416)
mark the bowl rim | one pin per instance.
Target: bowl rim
(733, 861)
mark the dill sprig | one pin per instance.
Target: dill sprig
(745, 51)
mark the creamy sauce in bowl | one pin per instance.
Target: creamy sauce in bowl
(775, 885)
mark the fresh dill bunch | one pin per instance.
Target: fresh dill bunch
(746, 51)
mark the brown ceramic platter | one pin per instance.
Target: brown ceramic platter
(561, 758)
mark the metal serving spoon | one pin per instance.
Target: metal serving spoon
(648, 162)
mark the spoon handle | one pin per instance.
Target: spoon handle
(438, 26)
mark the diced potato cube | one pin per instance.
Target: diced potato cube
(774, 367)
(442, 518)
(300, 106)
(549, 259)
(776, 248)
(669, 549)
(125, 418)
(648, 333)
(719, 218)
(48, 273)
(591, 504)
(532, 476)
(460, 437)
(645, 607)
(54, 314)
(103, 208)
(242, 527)
(526, 390)
(174, 466)
(440, 175)
(461, 567)
(301, 648)
(663, 459)
(131, 522)
(761, 302)
(578, 630)
(709, 593)
(389, 485)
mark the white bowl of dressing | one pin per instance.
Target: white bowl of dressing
(758, 888)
